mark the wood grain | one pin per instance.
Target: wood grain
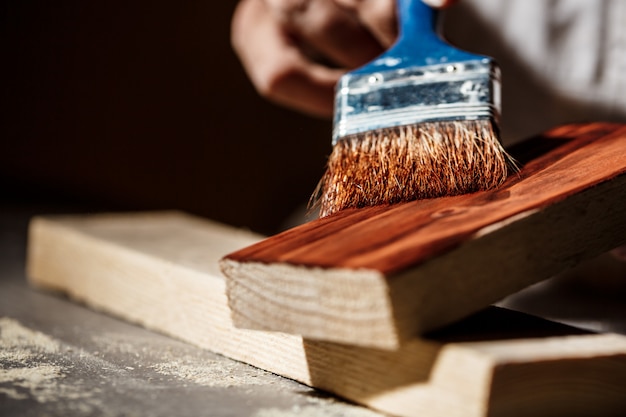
(378, 276)
(160, 270)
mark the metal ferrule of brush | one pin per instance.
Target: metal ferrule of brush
(468, 90)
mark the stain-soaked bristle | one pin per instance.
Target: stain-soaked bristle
(412, 162)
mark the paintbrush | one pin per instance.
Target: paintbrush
(420, 121)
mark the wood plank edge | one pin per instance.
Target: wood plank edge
(343, 290)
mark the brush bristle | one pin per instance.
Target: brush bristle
(412, 162)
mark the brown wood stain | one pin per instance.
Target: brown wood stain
(554, 166)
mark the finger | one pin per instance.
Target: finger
(378, 16)
(277, 67)
(440, 4)
(619, 253)
(328, 29)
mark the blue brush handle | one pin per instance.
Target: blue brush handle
(418, 43)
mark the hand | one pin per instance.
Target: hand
(619, 253)
(294, 51)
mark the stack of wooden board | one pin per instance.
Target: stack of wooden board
(378, 276)
(161, 270)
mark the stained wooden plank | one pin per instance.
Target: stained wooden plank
(160, 270)
(378, 276)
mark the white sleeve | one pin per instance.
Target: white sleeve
(562, 61)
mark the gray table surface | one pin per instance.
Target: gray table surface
(58, 358)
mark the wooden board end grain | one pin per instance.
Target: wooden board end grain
(378, 276)
(160, 270)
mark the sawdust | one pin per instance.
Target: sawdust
(184, 363)
(319, 406)
(34, 366)
(335, 409)
(39, 381)
(213, 373)
(30, 367)
(20, 343)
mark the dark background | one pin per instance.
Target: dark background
(140, 104)
(143, 105)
